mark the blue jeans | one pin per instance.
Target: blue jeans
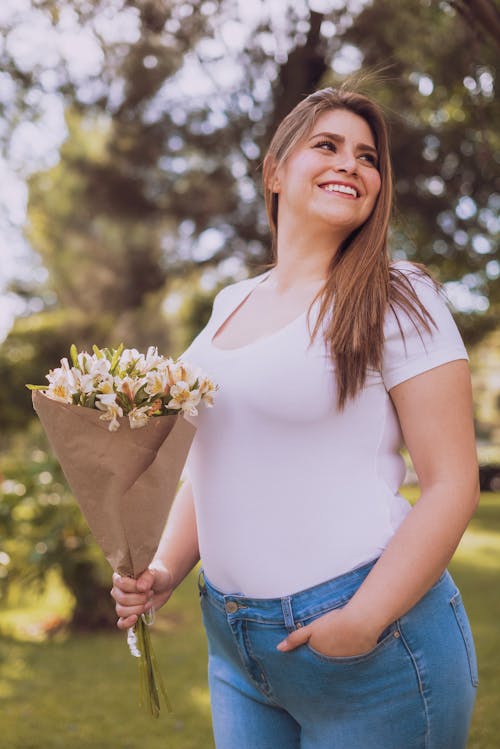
(414, 690)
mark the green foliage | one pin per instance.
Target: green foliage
(94, 227)
(36, 345)
(42, 529)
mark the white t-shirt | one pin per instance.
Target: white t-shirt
(290, 492)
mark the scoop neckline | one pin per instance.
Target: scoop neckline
(262, 339)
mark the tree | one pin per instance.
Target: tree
(441, 103)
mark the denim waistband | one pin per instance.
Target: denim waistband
(327, 595)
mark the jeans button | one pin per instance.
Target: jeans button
(231, 607)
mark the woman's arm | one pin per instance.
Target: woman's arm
(435, 413)
(178, 548)
(176, 556)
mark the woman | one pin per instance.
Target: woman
(331, 618)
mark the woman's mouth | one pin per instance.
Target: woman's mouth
(340, 188)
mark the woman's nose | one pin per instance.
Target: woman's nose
(345, 162)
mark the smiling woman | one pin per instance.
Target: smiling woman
(330, 615)
(332, 177)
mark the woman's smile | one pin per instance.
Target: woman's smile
(344, 189)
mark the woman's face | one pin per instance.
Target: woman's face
(332, 176)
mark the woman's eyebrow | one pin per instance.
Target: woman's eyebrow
(341, 139)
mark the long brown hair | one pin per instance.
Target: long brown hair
(361, 283)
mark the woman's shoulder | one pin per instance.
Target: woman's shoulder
(238, 288)
(416, 301)
(415, 284)
(412, 273)
(419, 330)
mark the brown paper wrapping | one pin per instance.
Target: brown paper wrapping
(124, 481)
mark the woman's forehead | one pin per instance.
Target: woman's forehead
(343, 122)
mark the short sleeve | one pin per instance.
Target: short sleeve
(418, 351)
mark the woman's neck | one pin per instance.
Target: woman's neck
(303, 258)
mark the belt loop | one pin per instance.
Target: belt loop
(286, 607)
(201, 582)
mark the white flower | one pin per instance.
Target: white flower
(181, 371)
(157, 382)
(183, 398)
(129, 386)
(107, 402)
(131, 357)
(154, 360)
(59, 390)
(98, 367)
(91, 364)
(83, 359)
(138, 417)
(61, 383)
(106, 385)
(83, 382)
(207, 388)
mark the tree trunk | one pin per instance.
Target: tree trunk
(93, 608)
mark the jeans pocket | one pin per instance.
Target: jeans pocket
(464, 627)
(202, 589)
(390, 634)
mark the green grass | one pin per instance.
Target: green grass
(476, 569)
(80, 692)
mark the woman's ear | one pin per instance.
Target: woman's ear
(271, 175)
(275, 184)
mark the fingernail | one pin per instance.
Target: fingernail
(282, 645)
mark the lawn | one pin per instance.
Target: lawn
(80, 692)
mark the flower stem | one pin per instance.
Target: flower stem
(151, 687)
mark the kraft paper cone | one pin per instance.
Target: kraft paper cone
(124, 481)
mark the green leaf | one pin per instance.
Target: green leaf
(37, 387)
(141, 397)
(124, 402)
(73, 352)
(97, 351)
(115, 358)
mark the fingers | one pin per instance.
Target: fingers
(298, 637)
(126, 622)
(126, 584)
(145, 580)
(130, 601)
(134, 597)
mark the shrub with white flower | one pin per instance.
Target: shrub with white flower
(123, 382)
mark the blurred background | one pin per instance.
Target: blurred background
(131, 141)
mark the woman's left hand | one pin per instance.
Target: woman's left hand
(334, 634)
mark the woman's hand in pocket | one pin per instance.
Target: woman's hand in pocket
(334, 634)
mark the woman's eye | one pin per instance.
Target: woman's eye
(370, 158)
(326, 144)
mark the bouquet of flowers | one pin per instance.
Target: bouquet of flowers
(114, 419)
